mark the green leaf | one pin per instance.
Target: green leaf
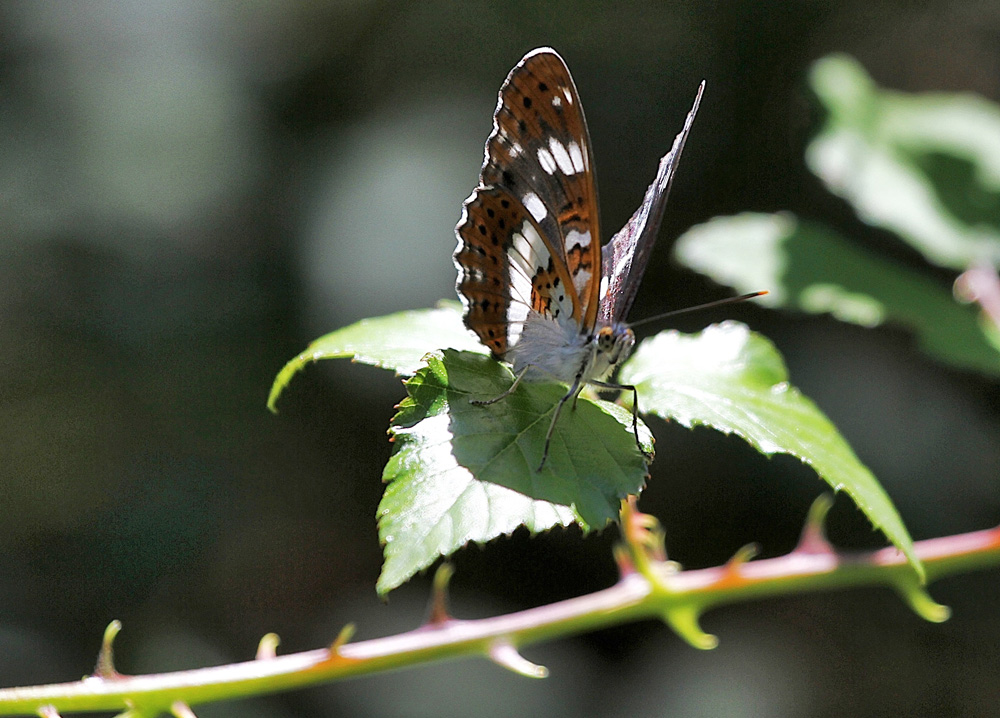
(808, 267)
(396, 341)
(465, 473)
(926, 167)
(735, 381)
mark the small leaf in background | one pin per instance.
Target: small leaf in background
(926, 166)
(735, 381)
(464, 473)
(808, 267)
(396, 341)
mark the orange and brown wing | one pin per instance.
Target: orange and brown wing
(538, 159)
(507, 268)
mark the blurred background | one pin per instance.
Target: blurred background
(192, 192)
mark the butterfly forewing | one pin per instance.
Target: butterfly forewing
(507, 267)
(539, 152)
(626, 255)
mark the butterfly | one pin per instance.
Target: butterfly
(536, 286)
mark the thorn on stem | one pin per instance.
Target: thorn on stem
(744, 555)
(48, 711)
(917, 598)
(180, 709)
(684, 621)
(642, 534)
(813, 539)
(345, 635)
(438, 613)
(503, 653)
(268, 646)
(623, 559)
(731, 570)
(105, 668)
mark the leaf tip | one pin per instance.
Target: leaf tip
(291, 368)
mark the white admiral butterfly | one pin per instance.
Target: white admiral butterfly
(536, 286)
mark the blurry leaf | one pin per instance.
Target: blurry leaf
(735, 381)
(396, 341)
(809, 267)
(462, 472)
(924, 166)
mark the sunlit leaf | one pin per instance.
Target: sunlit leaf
(735, 381)
(808, 267)
(465, 473)
(396, 341)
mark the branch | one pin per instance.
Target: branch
(649, 587)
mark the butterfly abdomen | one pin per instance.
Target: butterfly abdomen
(553, 349)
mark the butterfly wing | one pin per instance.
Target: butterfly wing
(538, 161)
(626, 255)
(506, 268)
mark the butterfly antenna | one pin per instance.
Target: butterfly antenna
(699, 307)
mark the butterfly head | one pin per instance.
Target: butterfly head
(614, 344)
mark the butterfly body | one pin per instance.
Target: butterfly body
(556, 349)
(537, 288)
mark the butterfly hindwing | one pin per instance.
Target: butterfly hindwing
(507, 267)
(539, 151)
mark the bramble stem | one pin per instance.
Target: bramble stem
(813, 566)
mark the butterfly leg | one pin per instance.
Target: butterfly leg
(573, 392)
(505, 394)
(635, 410)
